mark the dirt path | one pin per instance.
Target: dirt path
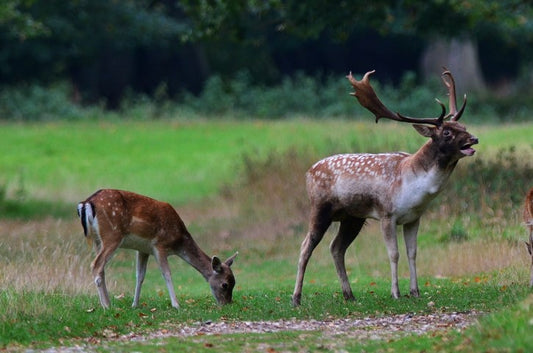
(374, 328)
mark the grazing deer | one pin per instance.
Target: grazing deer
(121, 219)
(395, 188)
(528, 219)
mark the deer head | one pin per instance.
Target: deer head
(450, 136)
(222, 281)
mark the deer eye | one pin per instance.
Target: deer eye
(225, 286)
(446, 133)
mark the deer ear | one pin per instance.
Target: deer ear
(216, 264)
(229, 261)
(424, 130)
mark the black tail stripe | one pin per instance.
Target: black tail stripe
(84, 220)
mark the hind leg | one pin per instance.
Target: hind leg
(320, 220)
(348, 231)
(98, 270)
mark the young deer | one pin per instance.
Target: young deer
(121, 219)
(528, 220)
(395, 188)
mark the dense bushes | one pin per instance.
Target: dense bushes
(38, 103)
(320, 97)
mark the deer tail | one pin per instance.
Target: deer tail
(87, 215)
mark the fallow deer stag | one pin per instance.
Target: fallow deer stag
(528, 220)
(121, 219)
(395, 188)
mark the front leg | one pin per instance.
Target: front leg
(410, 232)
(161, 257)
(142, 261)
(388, 228)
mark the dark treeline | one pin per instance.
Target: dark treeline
(106, 48)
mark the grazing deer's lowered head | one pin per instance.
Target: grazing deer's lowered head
(395, 188)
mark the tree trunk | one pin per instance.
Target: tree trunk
(460, 56)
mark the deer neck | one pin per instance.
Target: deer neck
(430, 157)
(196, 257)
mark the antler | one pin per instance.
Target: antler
(454, 114)
(367, 97)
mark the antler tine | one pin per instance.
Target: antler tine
(454, 114)
(367, 97)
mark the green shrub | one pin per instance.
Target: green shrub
(32, 102)
(493, 187)
(315, 97)
(329, 97)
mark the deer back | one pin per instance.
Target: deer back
(118, 214)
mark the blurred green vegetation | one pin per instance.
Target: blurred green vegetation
(241, 98)
(107, 48)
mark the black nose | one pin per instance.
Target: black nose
(474, 140)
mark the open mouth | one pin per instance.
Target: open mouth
(468, 150)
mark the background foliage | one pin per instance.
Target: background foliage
(105, 49)
(240, 97)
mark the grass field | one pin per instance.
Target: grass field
(184, 161)
(239, 186)
(179, 161)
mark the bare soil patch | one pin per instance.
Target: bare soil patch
(369, 328)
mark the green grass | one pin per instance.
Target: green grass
(505, 331)
(175, 161)
(52, 318)
(181, 161)
(49, 298)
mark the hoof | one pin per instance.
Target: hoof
(296, 300)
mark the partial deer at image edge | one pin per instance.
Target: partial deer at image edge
(528, 220)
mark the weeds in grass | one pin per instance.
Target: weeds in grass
(43, 256)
